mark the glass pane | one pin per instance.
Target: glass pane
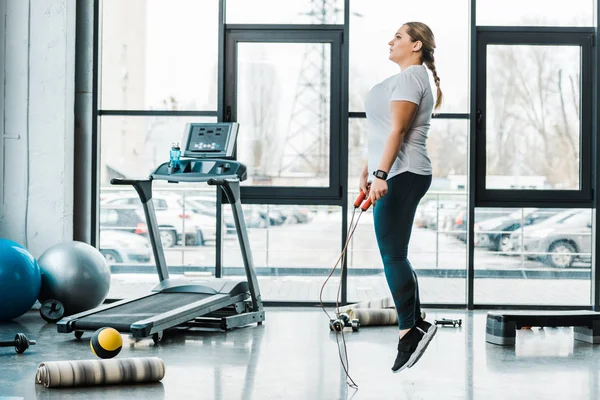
(537, 256)
(159, 55)
(285, 12)
(374, 23)
(535, 13)
(294, 249)
(132, 147)
(283, 110)
(437, 252)
(439, 221)
(532, 122)
(135, 146)
(449, 167)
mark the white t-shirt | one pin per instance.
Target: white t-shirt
(412, 85)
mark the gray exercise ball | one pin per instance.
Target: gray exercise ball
(76, 274)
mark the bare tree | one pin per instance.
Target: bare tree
(531, 130)
(447, 148)
(261, 99)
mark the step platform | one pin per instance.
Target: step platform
(501, 326)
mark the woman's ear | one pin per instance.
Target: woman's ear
(417, 46)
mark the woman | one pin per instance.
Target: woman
(398, 116)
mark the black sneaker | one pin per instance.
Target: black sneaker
(409, 349)
(429, 331)
(426, 327)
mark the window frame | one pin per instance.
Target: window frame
(582, 37)
(328, 34)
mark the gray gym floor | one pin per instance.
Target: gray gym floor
(294, 356)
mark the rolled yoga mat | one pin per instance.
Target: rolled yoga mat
(373, 317)
(384, 302)
(100, 372)
(374, 312)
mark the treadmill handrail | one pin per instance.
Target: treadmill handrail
(232, 191)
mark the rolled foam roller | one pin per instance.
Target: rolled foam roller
(100, 372)
(384, 302)
(374, 317)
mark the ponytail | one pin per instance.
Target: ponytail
(430, 63)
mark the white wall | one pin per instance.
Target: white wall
(37, 81)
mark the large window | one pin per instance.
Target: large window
(533, 131)
(374, 23)
(294, 75)
(284, 108)
(535, 13)
(437, 248)
(285, 12)
(294, 249)
(534, 123)
(159, 55)
(156, 60)
(541, 256)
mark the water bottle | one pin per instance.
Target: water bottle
(175, 156)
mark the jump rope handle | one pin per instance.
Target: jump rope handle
(359, 200)
(366, 205)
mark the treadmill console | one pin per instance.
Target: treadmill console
(210, 140)
(207, 154)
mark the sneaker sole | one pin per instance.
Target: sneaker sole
(426, 340)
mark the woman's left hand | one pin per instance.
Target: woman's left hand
(378, 189)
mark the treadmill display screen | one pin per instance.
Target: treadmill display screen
(210, 140)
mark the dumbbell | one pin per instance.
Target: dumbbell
(343, 321)
(21, 343)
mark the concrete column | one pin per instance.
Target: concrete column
(38, 125)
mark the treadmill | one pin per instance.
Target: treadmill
(214, 302)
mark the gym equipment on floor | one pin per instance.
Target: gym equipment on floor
(501, 326)
(214, 302)
(20, 280)
(343, 321)
(20, 342)
(448, 321)
(99, 372)
(74, 274)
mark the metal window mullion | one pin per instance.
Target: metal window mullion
(96, 98)
(344, 142)
(220, 118)
(159, 113)
(472, 158)
(595, 267)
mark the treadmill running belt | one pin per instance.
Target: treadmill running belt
(123, 316)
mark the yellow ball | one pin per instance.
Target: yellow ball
(106, 342)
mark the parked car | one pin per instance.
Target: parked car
(481, 214)
(208, 205)
(565, 238)
(124, 218)
(494, 233)
(293, 214)
(124, 247)
(439, 215)
(171, 218)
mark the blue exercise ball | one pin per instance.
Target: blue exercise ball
(20, 280)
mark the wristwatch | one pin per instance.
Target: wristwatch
(380, 174)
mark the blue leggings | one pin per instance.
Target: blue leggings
(393, 219)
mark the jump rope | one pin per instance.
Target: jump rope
(337, 324)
